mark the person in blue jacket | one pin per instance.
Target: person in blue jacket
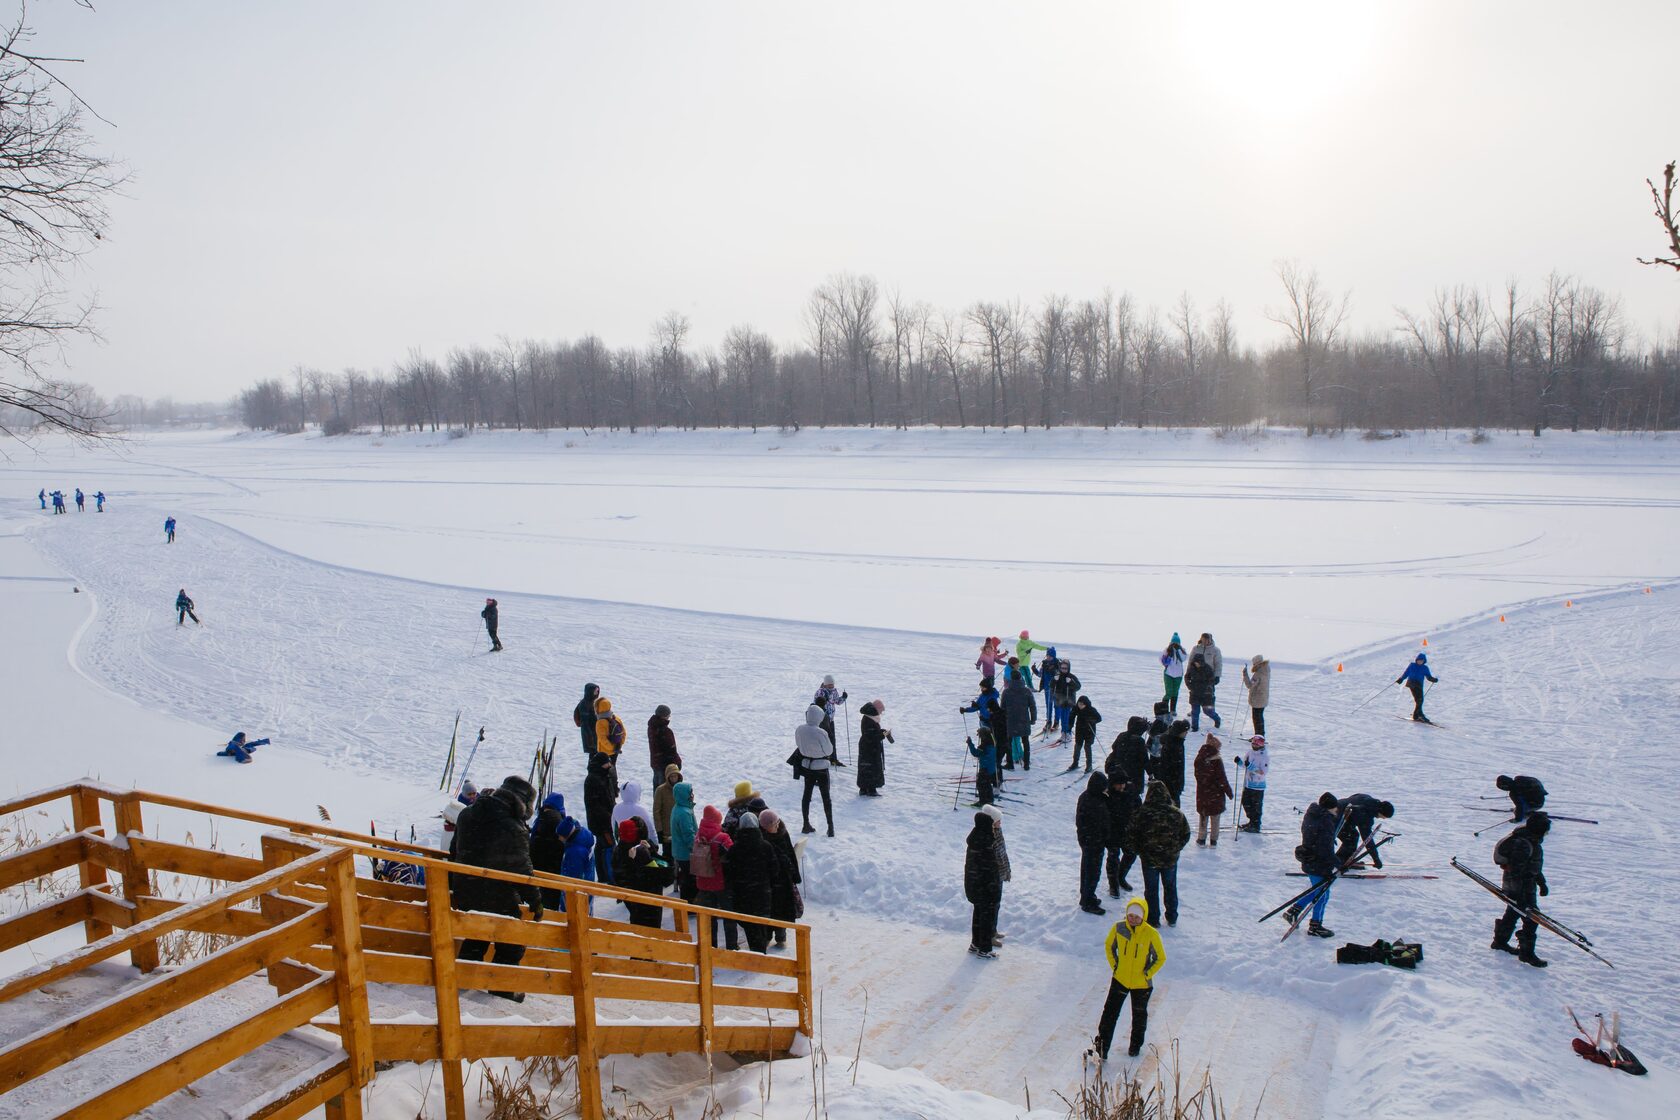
(1045, 671)
(43, 497)
(81, 501)
(169, 530)
(578, 860)
(1414, 676)
(241, 748)
(99, 502)
(985, 765)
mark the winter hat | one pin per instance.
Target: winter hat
(710, 815)
(1161, 707)
(1259, 660)
(602, 706)
(1258, 741)
(1024, 634)
(663, 711)
(1385, 808)
(492, 602)
(880, 708)
(1538, 824)
(1503, 781)
(1176, 640)
(768, 820)
(993, 813)
(468, 794)
(987, 682)
(1141, 907)
(743, 790)
(627, 830)
(1211, 741)
(748, 821)
(1326, 800)
(1051, 653)
(1182, 727)
(828, 680)
(451, 812)
(523, 790)
(556, 801)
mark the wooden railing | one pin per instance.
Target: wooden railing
(319, 931)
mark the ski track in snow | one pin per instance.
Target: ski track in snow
(368, 672)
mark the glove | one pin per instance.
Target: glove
(537, 912)
(1544, 890)
(843, 695)
(969, 740)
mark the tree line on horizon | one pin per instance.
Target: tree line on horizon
(1557, 356)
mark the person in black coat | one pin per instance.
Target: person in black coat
(600, 797)
(491, 833)
(872, 749)
(785, 903)
(1317, 856)
(1123, 801)
(1522, 862)
(1527, 794)
(635, 868)
(1167, 765)
(1020, 712)
(1128, 758)
(1359, 820)
(983, 880)
(584, 716)
(1085, 720)
(490, 615)
(1090, 826)
(1200, 680)
(749, 869)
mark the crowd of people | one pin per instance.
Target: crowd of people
(60, 504)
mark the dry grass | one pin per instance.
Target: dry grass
(19, 833)
(1131, 1098)
(527, 1091)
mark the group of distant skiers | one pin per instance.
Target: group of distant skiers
(59, 502)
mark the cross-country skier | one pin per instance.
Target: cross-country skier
(1090, 829)
(1259, 685)
(584, 716)
(43, 497)
(1020, 712)
(872, 749)
(1201, 679)
(1173, 662)
(1045, 671)
(1213, 789)
(1135, 954)
(987, 706)
(239, 748)
(1526, 793)
(184, 609)
(1413, 677)
(1317, 856)
(81, 501)
(985, 766)
(169, 530)
(1064, 691)
(830, 697)
(985, 870)
(1359, 815)
(99, 502)
(1158, 834)
(815, 750)
(1255, 766)
(491, 615)
(1085, 720)
(662, 744)
(1522, 863)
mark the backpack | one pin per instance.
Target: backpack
(615, 731)
(702, 860)
(1400, 954)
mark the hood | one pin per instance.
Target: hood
(602, 705)
(814, 715)
(869, 710)
(575, 835)
(657, 720)
(1137, 725)
(684, 793)
(672, 770)
(1135, 900)
(555, 801)
(1157, 795)
(711, 816)
(1051, 653)
(630, 793)
(1423, 659)
(591, 690)
(1259, 660)
(1097, 784)
(1210, 749)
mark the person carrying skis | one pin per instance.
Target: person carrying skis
(1259, 685)
(600, 795)
(662, 744)
(490, 615)
(1359, 815)
(1255, 767)
(1317, 857)
(584, 716)
(1085, 720)
(985, 870)
(81, 501)
(609, 729)
(829, 697)
(239, 748)
(991, 651)
(1045, 671)
(1064, 691)
(815, 751)
(491, 833)
(1135, 954)
(985, 766)
(169, 530)
(1526, 793)
(1090, 828)
(1159, 833)
(184, 608)
(1213, 789)
(99, 502)
(1200, 679)
(1522, 864)
(872, 749)
(1413, 677)
(1020, 712)
(1173, 662)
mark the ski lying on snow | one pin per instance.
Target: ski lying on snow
(1420, 722)
(1370, 875)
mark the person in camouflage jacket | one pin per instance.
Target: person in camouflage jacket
(1158, 832)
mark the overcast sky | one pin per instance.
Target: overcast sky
(333, 184)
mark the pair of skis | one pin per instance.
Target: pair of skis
(542, 765)
(447, 782)
(1604, 1045)
(1305, 899)
(1537, 916)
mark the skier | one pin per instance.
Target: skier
(1359, 815)
(829, 697)
(662, 744)
(1522, 862)
(683, 828)
(749, 870)
(81, 501)
(43, 497)
(169, 530)
(600, 795)
(664, 801)
(490, 616)
(1413, 677)
(1128, 757)
(1025, 646)
(1122, 804)
(1213, 789)
(872, 749)
(1135, 954)
(635, 868)
(1020, 713)
(987, 707)
(785, 903)
(814, 749)
(1085, 720)
(1255, 767)
(985, 766)
(1201, 679)
(985, 870)
(239, 748)
(609, 729)
(184, 609)
(1259, 685)
(491, 833)
(1210, 653)
(1317, 856)
(1159, 833)
(1064, 691)
(548, 849)
(1167, 765)
(991, 651)
(1526, 793)
(584, 716)
(1045, 671)
(1173, 662)
(99, 502)
(1090, 828)
(706, 865)
(630, 806)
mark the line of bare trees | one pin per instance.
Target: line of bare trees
(1554, 354)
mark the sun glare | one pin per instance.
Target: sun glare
(1278, 58)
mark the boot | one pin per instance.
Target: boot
(1502, 935)
(807, 827)
(1318, 929)
(1525, 942)
(1291, 914)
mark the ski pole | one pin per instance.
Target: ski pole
(1236, 801)
(449, 760)
(846, 706)
(956, 797)
(472, 754)
(1375, 694)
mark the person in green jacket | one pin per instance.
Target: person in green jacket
(1135, 954)
(1023, 653)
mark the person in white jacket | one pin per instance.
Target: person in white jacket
(630, 805)
(1255, 766)
(1173, 661)
(815, 758)
(1210, 653)
(1259, 685)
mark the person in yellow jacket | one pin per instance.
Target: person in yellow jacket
(609, 729)
(1135, 954)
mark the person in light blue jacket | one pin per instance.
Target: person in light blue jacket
(684, 826)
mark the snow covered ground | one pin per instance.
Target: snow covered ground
(340, 581)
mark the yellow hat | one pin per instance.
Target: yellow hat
(744, 789)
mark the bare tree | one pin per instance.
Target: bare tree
(1313, 317)
(949, 338)
(1664, 201)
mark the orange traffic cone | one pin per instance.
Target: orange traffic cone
(1426, 641)
(1338, 666)
(1502, 618)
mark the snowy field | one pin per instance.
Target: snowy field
(723, 574)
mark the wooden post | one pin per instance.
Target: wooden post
(583, 1006)
(349, 968)
(802, 949)
(679, 919)
(442, 928)
(703, 942)
(346, 1106)
(84, 817)
(135, 880)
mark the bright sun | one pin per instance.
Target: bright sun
(1276, 57)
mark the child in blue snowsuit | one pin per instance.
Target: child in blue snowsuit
(80, 500)
(1414, 676)
(985, 765)
(578, 860)
(99, 502)
(238, 748)
(43, 497)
